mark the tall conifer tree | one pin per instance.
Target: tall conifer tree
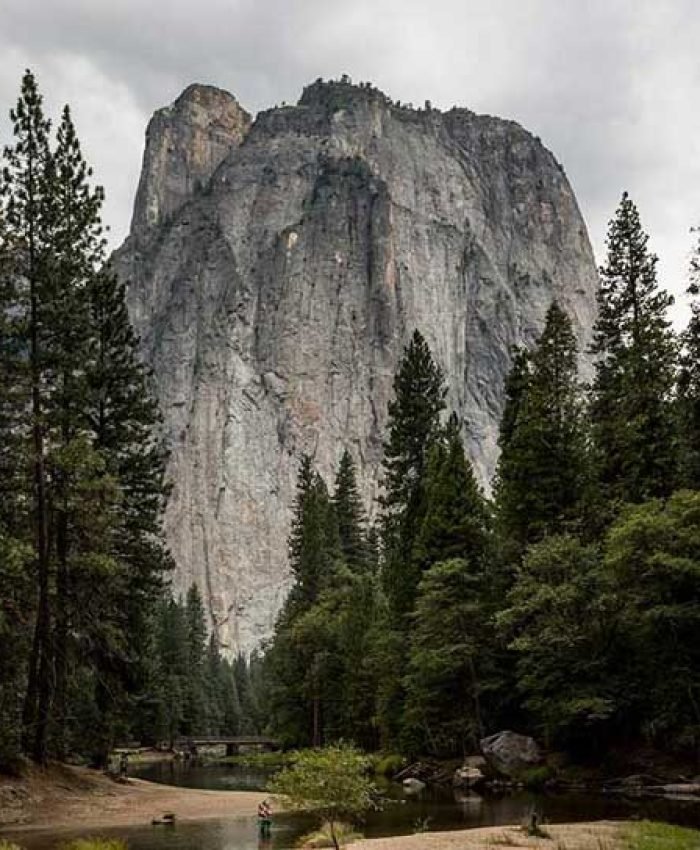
(635, 349)
(350, 515)
(413, 426)
(541, 475)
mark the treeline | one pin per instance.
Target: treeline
(569, 605)
(92, 649)
(193, 688)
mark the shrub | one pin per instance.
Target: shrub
(535, 777)
(94, 844)
(388, 764)
(331, 781)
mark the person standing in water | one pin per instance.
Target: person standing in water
(264, 819)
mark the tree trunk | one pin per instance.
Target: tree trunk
(331, 826)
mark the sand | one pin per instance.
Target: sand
(62, 797)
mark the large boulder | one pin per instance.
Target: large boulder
(510, 753)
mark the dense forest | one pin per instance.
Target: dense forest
(567, 604)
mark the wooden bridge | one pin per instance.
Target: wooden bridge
(232, 743)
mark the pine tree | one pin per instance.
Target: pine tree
(688, 404)
(443, 689)
(195, 684)
(314, 542)
(541, 475)
(28, 228)
(635, 349)
(350, 515)
(77, 250)
(414, 419)
(84, 487)
(455, 521)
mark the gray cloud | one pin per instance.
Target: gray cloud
(609, 85)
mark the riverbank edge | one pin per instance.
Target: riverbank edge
(597, 835)
(62, 797)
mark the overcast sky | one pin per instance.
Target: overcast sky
(611, 86)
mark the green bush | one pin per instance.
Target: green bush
(94, 844)
(535, 777)
(388, 764)
(662, 836)
(8, 845)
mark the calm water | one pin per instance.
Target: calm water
(438, 808)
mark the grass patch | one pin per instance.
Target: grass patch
(9, 845)
(344, 833)
(649, 835)
(94, 844)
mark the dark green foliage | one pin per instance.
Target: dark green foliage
(560, 618)
(541, 476)
(448, 647)
(652, 559)
(413, 426)
(606, 638)
(318, 668)
(86, 506)
(688, 387)
(451, 642)
(631, 406)
(455, 520)
(313, 543)
(193, 689)
(350, 516)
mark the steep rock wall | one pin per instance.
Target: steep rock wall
(286, 265)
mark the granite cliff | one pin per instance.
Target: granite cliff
(276, 268)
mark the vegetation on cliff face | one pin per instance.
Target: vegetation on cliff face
(571, 605)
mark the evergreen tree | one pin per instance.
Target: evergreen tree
(414, 421)
(651, 558)
(449, 643)
(541, 475)
(455, 521)
(688, 392)
(350, 515)
(444, 714)
(635, 349)
(561, 622)
(27, 230)
(195, 684)
(313, 543)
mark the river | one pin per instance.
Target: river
(434, 809)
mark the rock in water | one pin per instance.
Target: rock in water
(277, 268)
(510, 753)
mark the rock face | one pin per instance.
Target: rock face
(276, 270)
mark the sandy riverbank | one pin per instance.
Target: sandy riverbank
(581, 836)
(62, 797)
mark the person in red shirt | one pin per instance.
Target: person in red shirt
(264, 819)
